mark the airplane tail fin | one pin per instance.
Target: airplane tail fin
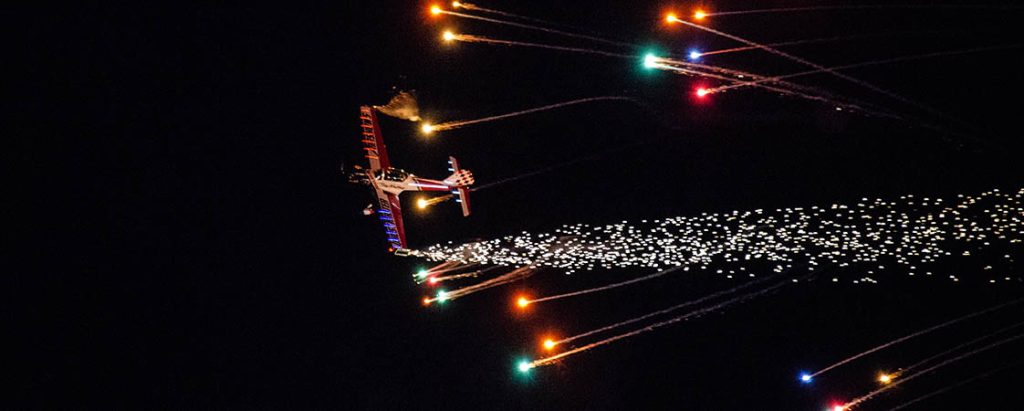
(459, 181)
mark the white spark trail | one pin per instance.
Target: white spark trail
(911, 232)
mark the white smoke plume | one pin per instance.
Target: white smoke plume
(402, 105)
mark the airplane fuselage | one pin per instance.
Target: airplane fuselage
(394, 181)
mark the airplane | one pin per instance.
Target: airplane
(387, 182)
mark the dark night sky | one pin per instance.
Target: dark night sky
(197, 246)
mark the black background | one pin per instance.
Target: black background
(195, 246)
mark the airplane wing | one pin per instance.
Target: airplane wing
(373, 141)
(390, 213)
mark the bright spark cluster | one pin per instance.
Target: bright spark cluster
(910, 231)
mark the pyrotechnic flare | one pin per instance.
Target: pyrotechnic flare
(866, 64)
(665, 310)
(653, 61)
(697, 313)
(537, 28)
(917, 334)
(514, 275)
(813, 65)
(786, 88)
(423, 203)
(885, 378)
(909, 377)
(462, 123)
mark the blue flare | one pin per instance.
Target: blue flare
(806, 378)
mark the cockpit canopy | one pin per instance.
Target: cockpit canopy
(393, 174)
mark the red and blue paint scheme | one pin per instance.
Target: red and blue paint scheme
(388, 182)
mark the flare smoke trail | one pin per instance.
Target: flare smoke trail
(652, 327)
(917, 334)
(402, 105)
(864, 7)
(538, 28)
(551, 168)
(606, 287)
(692, 69)
(943, 390)
(667, 310)
(818, 40)
(789, 90)
(860, 400)
(473, 7)
(515, 275)
(868, 63)
(468, 38)
(457, 124)
(918, 364)
(815, 66)
(472, 274)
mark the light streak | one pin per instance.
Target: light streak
(514, 275)
(463, 123)
(958, 347)
(652, 327)
(469, 38)
(538, 28)
(816, 66)
(916, 334)
(864, 7)
(943, 390)
(606, 287)
(817, 40)
(664, 311)
(866, 397)
(868, 63)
